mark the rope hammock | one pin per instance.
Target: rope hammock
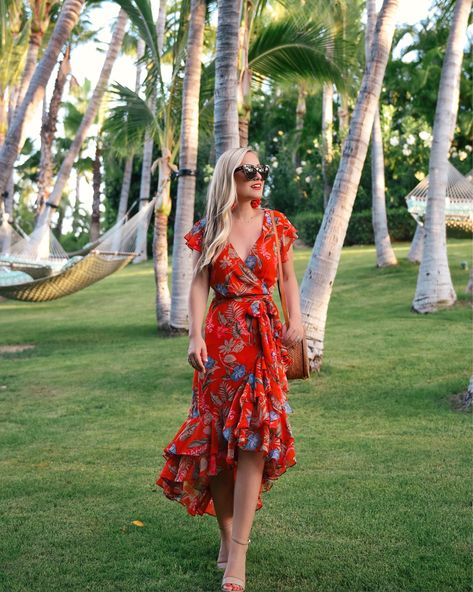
(458, 203)
(37, 269)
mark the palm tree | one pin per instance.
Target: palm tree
(318, 279)
(67, 19)
(226, 129)
(434, 288)
(182, 264)
(145, 186)
(87, 120)
(417, 245)
(48, 131)
(385, 255)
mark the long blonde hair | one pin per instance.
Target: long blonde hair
(221, 196)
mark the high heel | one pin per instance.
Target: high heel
(233, 579)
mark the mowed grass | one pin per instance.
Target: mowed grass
(379, 499)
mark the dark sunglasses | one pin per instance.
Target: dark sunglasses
(250, 171)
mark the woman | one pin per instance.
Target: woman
(237, 438)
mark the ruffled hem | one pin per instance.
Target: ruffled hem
(257, 421)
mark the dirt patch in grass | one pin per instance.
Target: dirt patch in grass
(461, 402)
(15, 349)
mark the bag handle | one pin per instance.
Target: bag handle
(282, 292)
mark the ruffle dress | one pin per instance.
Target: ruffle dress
(240, 400)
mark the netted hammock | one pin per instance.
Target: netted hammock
(458, 203)
(37, 269)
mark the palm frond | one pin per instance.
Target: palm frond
(129, 117)
(292, 48)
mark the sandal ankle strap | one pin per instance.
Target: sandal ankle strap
(239, 542)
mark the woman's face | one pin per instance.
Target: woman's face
(249, 189)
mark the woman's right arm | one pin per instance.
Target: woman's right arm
(198, 296)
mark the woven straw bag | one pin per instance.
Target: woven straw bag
(299, 367)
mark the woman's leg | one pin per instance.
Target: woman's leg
(221, 488)
(247, 487)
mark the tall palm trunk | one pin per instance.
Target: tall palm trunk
(384, 252)
(48, 131)
(97, 182)
(182, 263)
(327, 139)
(226, 77)
(68, 17)
(301, 109)
(318, 279)
(244, 86)
(145, 185)
(87, 119)
(128, 171)
(434, 288)
(417, 245)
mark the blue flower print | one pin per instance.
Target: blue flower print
(287, 407)
(265, 287)
(221, 289)
(251, 261)
(253, 441)
(252, 380)
(238, 372)
(227, 433)
(274, 453)
(172, 449)
(210, 363)
(195, 412)
(255, 307)
(273, 415)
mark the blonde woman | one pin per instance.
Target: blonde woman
(236, 439)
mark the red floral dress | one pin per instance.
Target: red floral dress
(239, 401)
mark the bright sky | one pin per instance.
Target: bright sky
(410, 11)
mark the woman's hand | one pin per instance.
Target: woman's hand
(292, 335)
(197, 353)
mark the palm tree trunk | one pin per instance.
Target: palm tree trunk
(182, 263)
(327, 139)
(244, 86)
(469, 287)
(145, 186)
(320, 275)
(417, 245)
(384, 252)
(301, 109)
(226, 77)
(128, 172)
(48, 131)
(68, 17)
(97, 182)
(88, 118)
(434, 288)
(76, 209)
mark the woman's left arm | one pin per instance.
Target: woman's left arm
(291, 288)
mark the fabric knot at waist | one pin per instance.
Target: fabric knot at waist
(264, 310)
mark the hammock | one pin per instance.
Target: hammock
(458, 203)
(36, 278)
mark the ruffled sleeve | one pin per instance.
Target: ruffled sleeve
(195, 235)
(287, 234)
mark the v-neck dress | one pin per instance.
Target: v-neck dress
(240, 400)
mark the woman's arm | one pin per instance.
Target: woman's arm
(198, 296)
(291, 288)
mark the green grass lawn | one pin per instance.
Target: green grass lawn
(379, 499)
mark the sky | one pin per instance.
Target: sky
(410, 11)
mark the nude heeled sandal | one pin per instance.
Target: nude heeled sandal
(233, 579)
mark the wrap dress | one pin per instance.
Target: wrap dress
(240, 400)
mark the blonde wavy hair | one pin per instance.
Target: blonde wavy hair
(221, 196)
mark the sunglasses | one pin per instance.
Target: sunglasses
(250, 171)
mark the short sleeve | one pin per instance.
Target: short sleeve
(195, 235)
(287, 233)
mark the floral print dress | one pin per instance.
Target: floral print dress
(239, 401)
